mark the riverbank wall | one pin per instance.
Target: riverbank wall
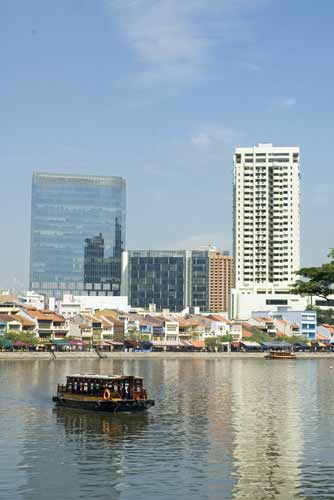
(23, 356)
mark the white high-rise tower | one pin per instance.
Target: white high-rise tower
(266, 213)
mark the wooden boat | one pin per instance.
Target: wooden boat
(106, 393)
(280, 355)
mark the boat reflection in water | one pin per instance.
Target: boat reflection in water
(88, 425)
(97, 449)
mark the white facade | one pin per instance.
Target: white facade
(171, 331)
(32, 299)
(69, 308)
(266, 227)
(244, 301)
(266, 215)
(72, 305)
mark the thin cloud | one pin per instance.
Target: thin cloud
(154, 169)
(288, 102)
(175, 40)
(249, 66)
(199, 241)
(212, 135)
(283, 103)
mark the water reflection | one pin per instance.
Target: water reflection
(268, 447)
(221, 429)
(88, 425)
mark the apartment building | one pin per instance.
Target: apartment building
(221, 280)
(266, 224)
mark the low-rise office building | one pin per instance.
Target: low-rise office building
(289, 323)
(221, 280)
(266, 299)
(177, 279)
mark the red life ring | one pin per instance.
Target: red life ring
(106, 394)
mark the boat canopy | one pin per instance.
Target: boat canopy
(277, 345)
(250, 344)
(6, 343)
(102, 377)
(303, 345)
(60, 342)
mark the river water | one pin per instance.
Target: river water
(221, 429)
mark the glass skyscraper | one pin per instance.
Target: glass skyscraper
(77, 234)
(157, 277)
(172, 279)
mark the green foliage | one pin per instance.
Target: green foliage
(323, 315)
(133, 334)
(28, 338)
(217, 341)
(136, 335)
(144, 337)
(316, 280)
(294, 339)
(211, 342)
(226, 338)
(258, 335)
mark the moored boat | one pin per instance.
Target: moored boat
(280, 355)
(106, 393)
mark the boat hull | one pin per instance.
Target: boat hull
(102, 405)
(272, 356)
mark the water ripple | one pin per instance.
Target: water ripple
(221, 429)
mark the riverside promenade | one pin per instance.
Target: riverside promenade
(21, 355)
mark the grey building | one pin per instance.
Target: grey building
(171, 279)
(77, 234)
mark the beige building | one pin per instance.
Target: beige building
(221, 280)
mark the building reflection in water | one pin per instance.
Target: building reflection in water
(86, 459)
(268, 427)
(245, 429)
(220, 430)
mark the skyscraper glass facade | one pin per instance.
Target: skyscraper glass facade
(77, 234)
(169, 279)
(200, 274)
(157, 278)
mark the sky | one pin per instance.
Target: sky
(160, 92)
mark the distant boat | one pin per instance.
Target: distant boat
(280, 355)
(106, 393)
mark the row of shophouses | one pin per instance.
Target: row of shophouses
(111, 325)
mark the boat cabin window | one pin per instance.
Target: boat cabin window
(119, 387)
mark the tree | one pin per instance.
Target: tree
(211, 342)
(26, 337)
(260, 337)
(324, 316)
(317, 281)
(226, 338)
(294, 339)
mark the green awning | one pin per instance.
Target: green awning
(60, 342)
(6, 343)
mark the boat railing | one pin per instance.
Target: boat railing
(137, 394)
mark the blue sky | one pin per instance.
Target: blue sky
(160, 92)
